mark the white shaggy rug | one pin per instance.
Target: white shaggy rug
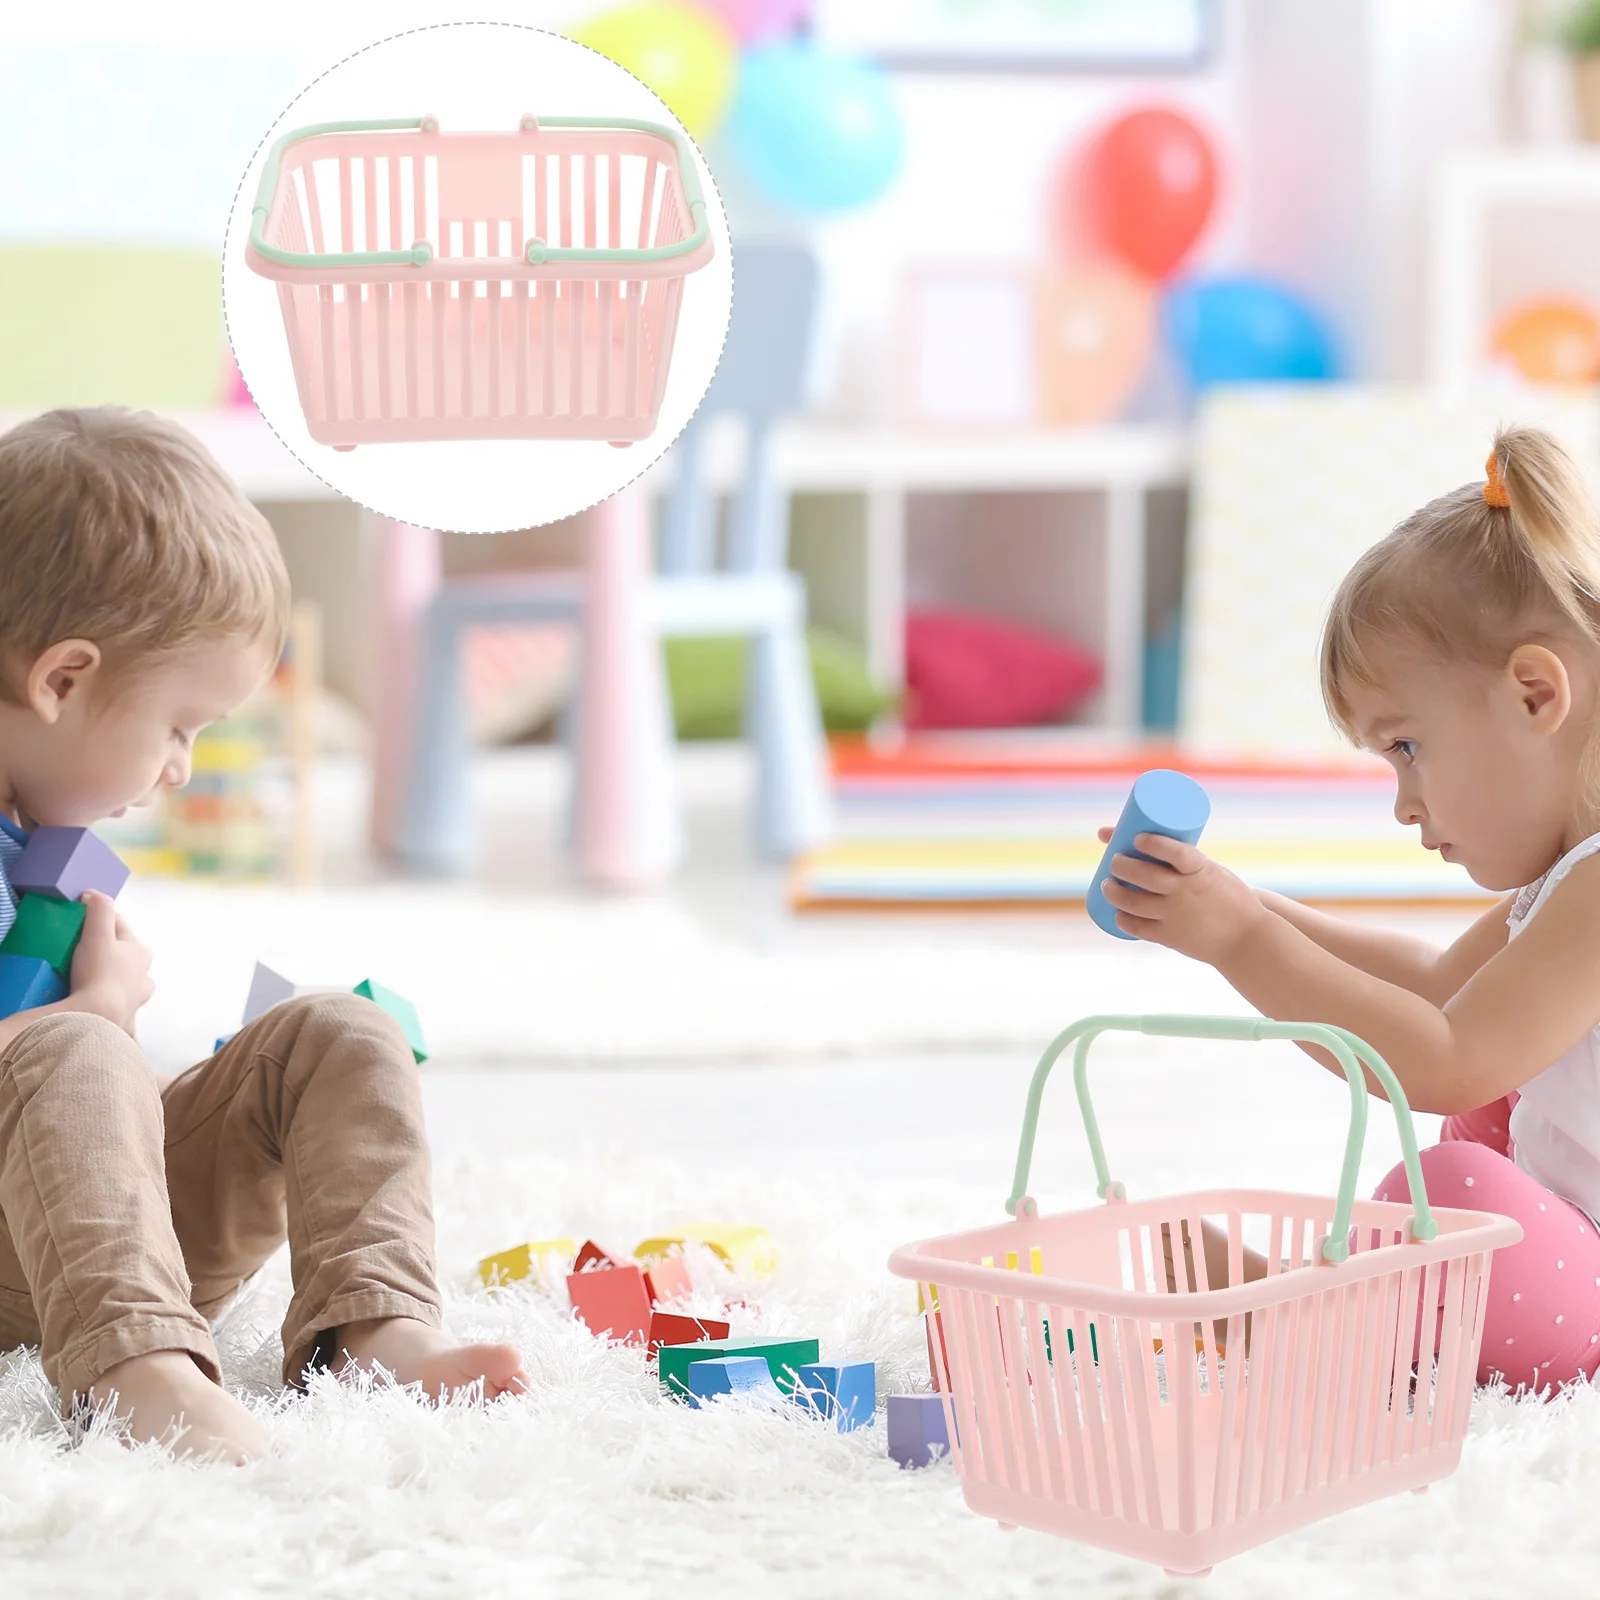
(595, 1486)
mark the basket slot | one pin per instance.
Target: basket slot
(1232, 1380)
(1137, 1351)
(1335, 1364)
(1091, 1400)
(466, 317)
(564, 167)
(1020, 1391)
(1041, 1365)
(547, 400)
(1114, 1385)
(979, 1337)
(1441, 1424)
(1065, 1384)
(588, 201)
(519, 344)
(1400, 1366)
(647, 203)
(412, 406)
(605, 313)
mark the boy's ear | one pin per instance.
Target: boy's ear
(61, 676)
(1542, 685)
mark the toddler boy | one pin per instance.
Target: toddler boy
(143, 597)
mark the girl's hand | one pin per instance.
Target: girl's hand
(110, 968)
(1183, 899)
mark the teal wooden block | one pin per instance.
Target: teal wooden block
(784, 1358)
(401, 1010)
(48, 929)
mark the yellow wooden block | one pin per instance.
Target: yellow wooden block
(524, 1260)
(743, 1247)
(1036, 1261)
(930, 1299)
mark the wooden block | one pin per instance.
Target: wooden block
(745, 1248)
(27, 982)
(524, 1261)
(667, 1327)
(748, 1376)
(846, 1393)
(221, 1040)
(784, 1357)
(65, 862)
(938, 1360)
(267, 989)
(591, 1254)
(401, 1010)
(918, 1432)
(668, 1280)
(47, 929)
(612, 1303)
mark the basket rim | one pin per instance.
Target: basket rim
(1480, 1231)
(421, 253)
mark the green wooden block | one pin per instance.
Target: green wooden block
(784, 1358)
(46, 928)
(401, 1010)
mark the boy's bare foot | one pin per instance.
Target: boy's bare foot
(168, 1400)
(415, 1352)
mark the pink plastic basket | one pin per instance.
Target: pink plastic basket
(1087, 1392)
(521, 285)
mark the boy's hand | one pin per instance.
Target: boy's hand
(1183, 899)
(110, 968)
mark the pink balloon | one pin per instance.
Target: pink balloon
(751, 20)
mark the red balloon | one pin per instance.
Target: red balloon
(1149, 181)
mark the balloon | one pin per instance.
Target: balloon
(1550, 341)
(753, 20)
(1148, 184)
(1245, 330)
(1097, 326)
(814, 131)
(685, 55)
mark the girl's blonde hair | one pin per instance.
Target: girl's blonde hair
(1473, 573)
(119, 527)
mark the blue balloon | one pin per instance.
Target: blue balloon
(1240, 329)
(815, 132)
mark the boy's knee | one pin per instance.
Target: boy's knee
(325, 1020)
(83, 1036)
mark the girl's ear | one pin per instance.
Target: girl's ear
(1543, 688)
(61, 677)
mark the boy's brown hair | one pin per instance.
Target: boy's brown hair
(119, 527)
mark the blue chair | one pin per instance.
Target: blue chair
(752, 593)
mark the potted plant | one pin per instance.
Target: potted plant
(1580, 34)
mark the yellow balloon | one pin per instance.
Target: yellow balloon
(685, 55)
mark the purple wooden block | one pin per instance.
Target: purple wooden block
(63, 862)
(916, 1427)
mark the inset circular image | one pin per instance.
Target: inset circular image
(477, 277)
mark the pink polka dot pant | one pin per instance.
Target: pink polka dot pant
(1541, 1325)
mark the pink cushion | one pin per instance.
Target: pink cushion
(969, 671)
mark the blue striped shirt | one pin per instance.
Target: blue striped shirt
(12, 839)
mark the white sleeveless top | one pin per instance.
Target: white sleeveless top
(1555, 1125)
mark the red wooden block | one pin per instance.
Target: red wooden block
(938, 1365)
(666, 1328)
(668, 1280)
(612, 1302)
(591, 1254)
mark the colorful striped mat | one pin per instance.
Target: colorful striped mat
(949, 823)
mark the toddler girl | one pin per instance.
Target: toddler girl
(1465, 648)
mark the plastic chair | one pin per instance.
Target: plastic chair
(626, 827)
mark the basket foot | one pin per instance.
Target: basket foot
(1200, 1572)
(344, 448)
(1421, 1488)
(619, 444)
(1006, 1527)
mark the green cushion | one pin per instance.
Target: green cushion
(46, 928)
(706, 678)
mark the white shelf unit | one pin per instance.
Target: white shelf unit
(1506, 225)
(1083, 495)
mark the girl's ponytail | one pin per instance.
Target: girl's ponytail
(1550, 515)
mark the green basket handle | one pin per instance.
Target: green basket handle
(421, 253)
(1347, 1049)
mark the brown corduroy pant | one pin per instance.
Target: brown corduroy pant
(132, 1211)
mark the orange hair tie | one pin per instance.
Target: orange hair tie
(1494, 491)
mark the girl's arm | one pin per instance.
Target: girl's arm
(1520, 1011)
(1399, 958)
